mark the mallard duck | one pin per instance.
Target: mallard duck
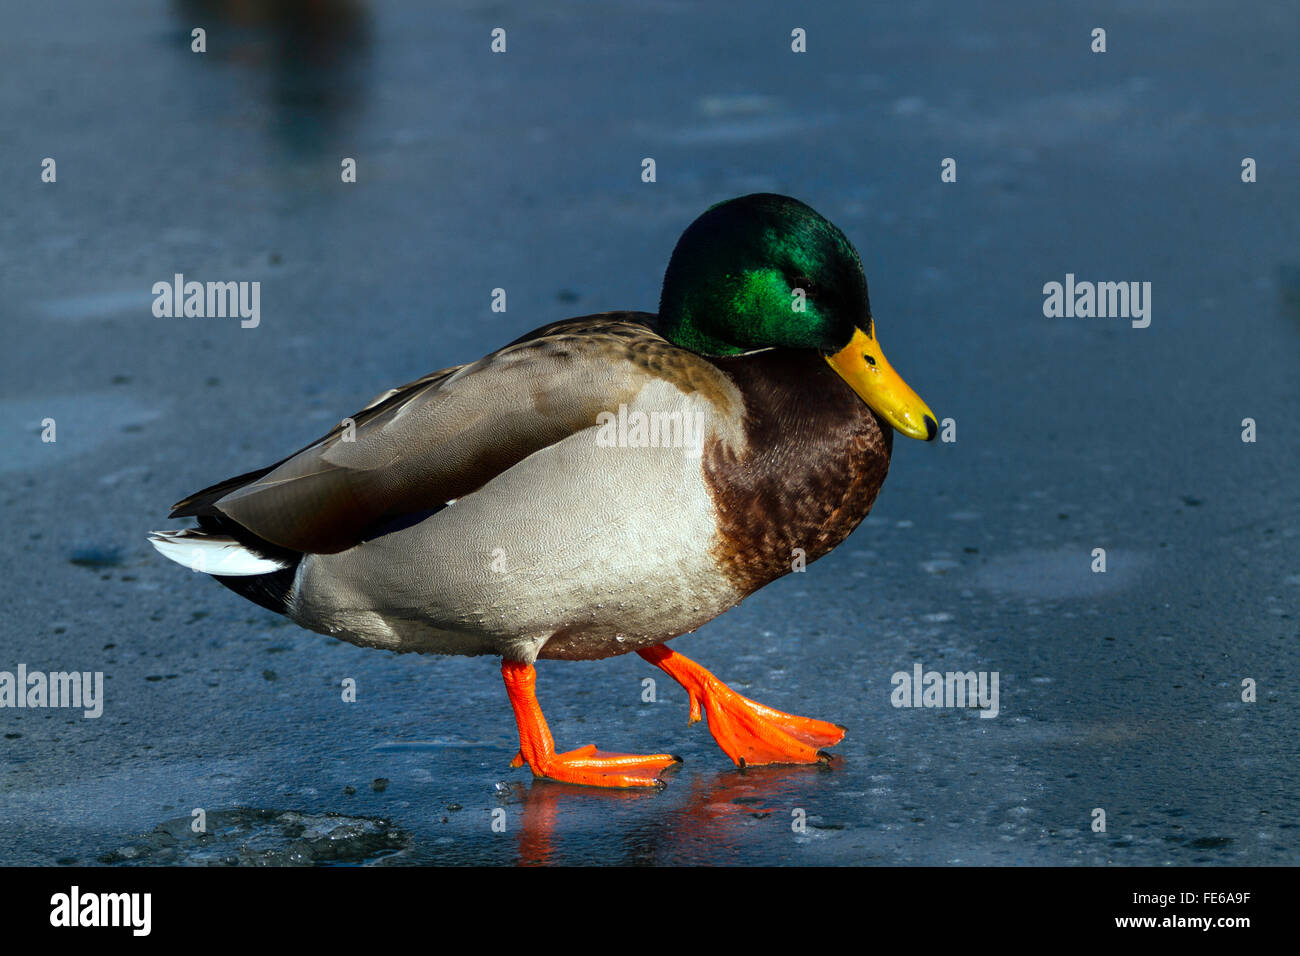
(599, 486)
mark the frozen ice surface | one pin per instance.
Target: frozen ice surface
(1120, 692)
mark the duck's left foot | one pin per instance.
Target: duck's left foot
(748, 732)
(586, 765)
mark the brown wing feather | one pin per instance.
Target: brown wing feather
(202, 503)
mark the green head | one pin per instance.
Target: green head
(732, 280)
(766, 271)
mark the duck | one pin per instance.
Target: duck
(597, 487)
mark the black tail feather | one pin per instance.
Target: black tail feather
(269, 590)
(203, 502)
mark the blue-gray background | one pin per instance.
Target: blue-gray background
(1119, 691)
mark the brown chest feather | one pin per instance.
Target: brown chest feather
(815, 460)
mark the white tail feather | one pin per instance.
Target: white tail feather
(211, 553)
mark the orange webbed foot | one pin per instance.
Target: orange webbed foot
(586, 765)
(597, 768)
(750, 733)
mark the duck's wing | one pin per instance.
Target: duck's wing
(202, 503)
(444, 436)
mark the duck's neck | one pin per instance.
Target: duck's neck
(815, 460)
(676, 327)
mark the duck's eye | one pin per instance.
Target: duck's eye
(870, 360)
(803, 282)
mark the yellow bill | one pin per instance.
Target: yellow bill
(863, 365)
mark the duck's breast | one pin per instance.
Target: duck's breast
(814, 459)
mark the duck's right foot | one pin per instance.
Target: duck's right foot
(586, 765)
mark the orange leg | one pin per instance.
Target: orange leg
(586, 765)
(749, 733)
